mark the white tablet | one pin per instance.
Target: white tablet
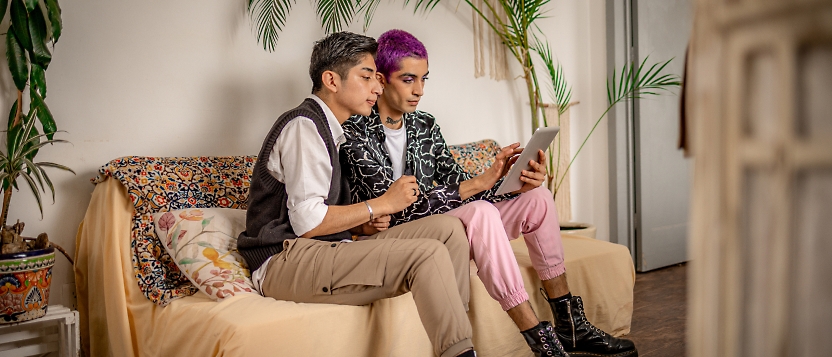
(540, 141)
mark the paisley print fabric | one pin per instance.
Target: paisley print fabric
(366, 164)
(160, 184)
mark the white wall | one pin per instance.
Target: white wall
(188, 78)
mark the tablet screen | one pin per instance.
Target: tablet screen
(540, 141)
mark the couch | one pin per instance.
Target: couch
(133, 301)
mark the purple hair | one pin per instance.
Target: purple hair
(394, 45)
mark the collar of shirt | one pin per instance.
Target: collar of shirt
(334, 125)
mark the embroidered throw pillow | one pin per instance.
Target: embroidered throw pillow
(203, 244)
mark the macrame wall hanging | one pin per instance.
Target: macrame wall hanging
(489, 51)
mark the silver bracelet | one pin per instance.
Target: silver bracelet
(369, 209)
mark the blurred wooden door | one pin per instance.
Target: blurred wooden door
(760, 105)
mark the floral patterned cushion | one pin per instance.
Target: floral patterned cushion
(475, 157)
(163, 184)
(203, 244)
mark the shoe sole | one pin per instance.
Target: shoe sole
(633, 353)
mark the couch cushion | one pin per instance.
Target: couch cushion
(203, 244)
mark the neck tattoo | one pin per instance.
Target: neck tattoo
(392, 121)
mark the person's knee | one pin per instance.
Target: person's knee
(450, 226)
(432, 247)
(485, 210)
(538, 197)
(457, 237)
(429, 249)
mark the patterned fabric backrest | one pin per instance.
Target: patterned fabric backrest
(161, 184)
(475, 157)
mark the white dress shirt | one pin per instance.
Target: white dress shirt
(300, 160)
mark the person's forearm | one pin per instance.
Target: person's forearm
(471, 187)
(343, 218)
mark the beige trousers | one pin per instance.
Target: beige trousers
(407, 258)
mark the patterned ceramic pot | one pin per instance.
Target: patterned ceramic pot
(24, 284)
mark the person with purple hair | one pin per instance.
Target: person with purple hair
(396, 141)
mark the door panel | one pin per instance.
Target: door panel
(662, 174)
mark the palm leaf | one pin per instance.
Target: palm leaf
(336, 14)
(559, 91)
(634, 83)
(369, 8)
(424, 5)
(503, 30)
(269, 17)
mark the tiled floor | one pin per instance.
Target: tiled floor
(659, 310)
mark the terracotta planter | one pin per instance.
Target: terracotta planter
(576, 228)
(24, 284)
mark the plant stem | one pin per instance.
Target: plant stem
(63, 251)
(584, 143)
(7, 199)
(527, 75)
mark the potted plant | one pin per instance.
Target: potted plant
(26, 263)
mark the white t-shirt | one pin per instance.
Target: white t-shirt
(395, 141)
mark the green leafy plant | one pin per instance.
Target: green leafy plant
(516, 30)
(34, 27)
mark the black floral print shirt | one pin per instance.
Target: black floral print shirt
(366, 164)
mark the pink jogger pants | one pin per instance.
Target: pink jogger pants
(491, 226)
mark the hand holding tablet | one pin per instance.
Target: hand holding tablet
(540, 141)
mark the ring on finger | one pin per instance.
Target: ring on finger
(415, 192)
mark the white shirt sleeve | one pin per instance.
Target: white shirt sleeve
(300, 160)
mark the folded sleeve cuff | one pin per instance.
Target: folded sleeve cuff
(307, 215)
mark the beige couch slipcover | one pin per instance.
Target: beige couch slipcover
(118, 320)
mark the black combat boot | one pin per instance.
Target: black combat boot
(543, 342)
(579, 337)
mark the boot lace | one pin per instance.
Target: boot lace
(583, 318)
(551, 346)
